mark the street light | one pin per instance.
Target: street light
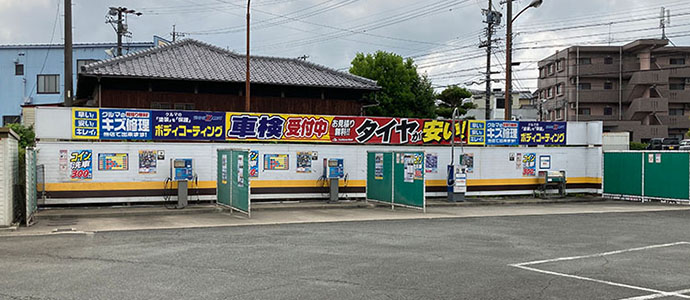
(509, 54)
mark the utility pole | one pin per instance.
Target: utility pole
(509, 63)
(247, 103)
(68, 53)
(492, 18)
(120, 24)
(664, 20)
(176, 34)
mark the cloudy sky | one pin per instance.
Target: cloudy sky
(441, 35)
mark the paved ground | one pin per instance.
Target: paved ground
(560, 251)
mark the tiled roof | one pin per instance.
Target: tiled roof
(194, 60)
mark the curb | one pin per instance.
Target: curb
(104, 213)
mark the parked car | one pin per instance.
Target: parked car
(670, 144)
(684, 145)
(655, 144)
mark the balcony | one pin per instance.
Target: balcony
(676, 72)
(682, 122)
(641, 131)
(641, 107)
(649, 77)
(594, 96)
(583, 118)
(678, 96)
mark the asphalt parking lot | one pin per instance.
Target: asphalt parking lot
(565, 256)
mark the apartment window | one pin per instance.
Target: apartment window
(584, 86)
(677, 61)
(558, 114)
(18, 70)
(559, 65)
(584, 61)
(549, 93)
(161, 105)
(542, 72)
(676, 86)
(559, 89)
(608, 111)
(608, 60)
(500, 103)
(608, 85)
(676, 111)
(184, 106)
(48, 84)
(84, 62)
(585, 111)
(550, 66)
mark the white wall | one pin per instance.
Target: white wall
(9, 170)
(490, 163)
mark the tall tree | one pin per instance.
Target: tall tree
(404, 93)
(451, 98)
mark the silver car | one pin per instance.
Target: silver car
(685, 144)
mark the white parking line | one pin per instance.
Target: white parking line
(599, 254)
(655, 296)
(655, 293)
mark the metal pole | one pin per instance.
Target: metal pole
(452, 139)
(68, 53)
(509, 57)
(247, 103)
(620, 83)
(120, 30)
(489, 29)
(577, 85)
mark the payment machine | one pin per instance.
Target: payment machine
(182, 171)
(335, 171)
(457, 183)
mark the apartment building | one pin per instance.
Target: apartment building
(639, 87)
(522, 104)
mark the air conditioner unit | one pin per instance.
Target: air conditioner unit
(687, 80)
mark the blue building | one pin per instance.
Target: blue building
(32, 74)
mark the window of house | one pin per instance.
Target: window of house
(48, 84)
(558, 114)
(161, 105)
(542, 72)
(608, 60)
(7, 119)
(559, 65)
(585, 111)
(18, 70)
(549, 93)
(559, 89)
(677, 61)
(84, 62)
(676, 86)
(584, 86)
(184, 106)
(608, 111)
(676, 111)
(550, 66)
(608, 85)
(584, 61)
(500, 103)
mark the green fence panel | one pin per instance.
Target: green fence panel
(666, 175)
(623, 173)
(380, 176)
(408, 191)
(222, 179)
(239, 174)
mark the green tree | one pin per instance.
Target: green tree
(451, 98)
(404, 93)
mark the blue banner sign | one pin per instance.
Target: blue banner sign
(502, 133)
(84, 123)
(188, 125)
(542, 133)
(125, 124)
